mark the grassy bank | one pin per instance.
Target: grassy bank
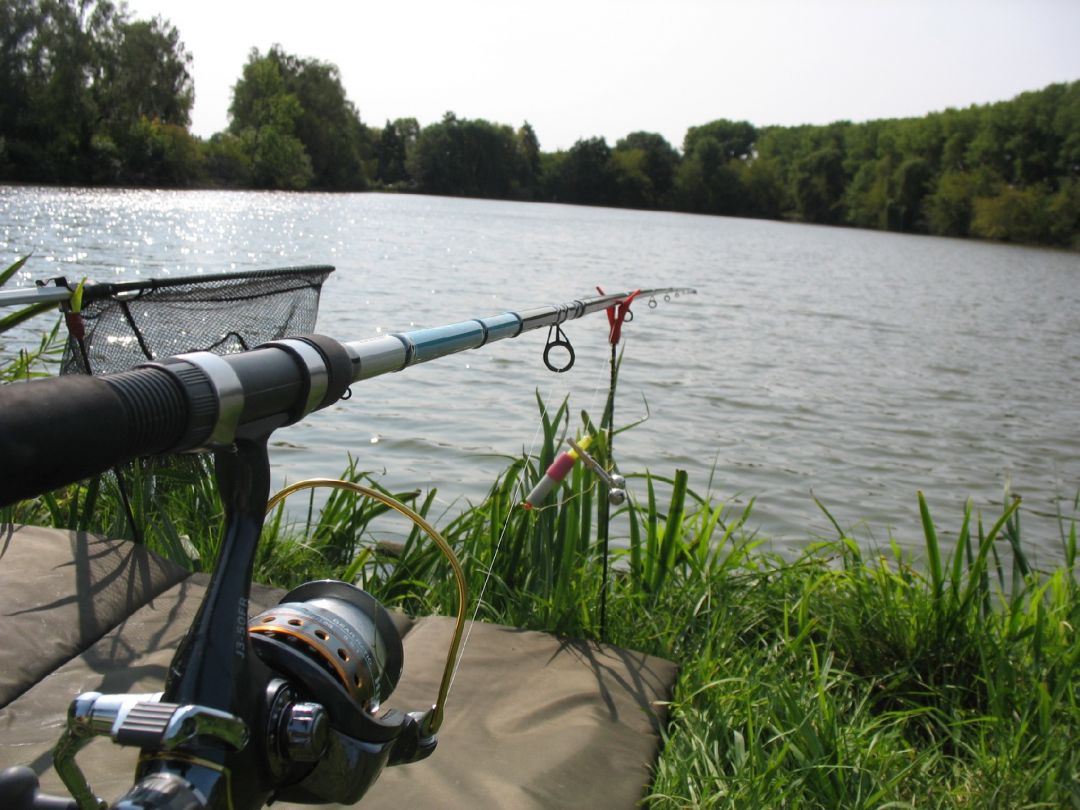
(840, 678)
(844, 677)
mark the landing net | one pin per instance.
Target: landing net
(135, 322)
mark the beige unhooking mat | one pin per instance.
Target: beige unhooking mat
(533, 721)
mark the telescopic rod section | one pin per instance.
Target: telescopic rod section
(400, 350)
(60, 430)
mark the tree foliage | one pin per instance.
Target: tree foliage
(588, 173)
(80, 83)
(390, 152)
(90, 95)
(264, 115)
(646, 170)
(472, 158)
(297, 124)
(145, 75)
(1008, 171)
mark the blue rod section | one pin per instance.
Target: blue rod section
(507, 325)
(402, 349)
(439, 341)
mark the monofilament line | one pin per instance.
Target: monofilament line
(521, 488)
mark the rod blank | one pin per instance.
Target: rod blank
(400, 350)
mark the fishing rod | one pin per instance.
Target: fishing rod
(398, 351)
(284, 706)
(204, 401)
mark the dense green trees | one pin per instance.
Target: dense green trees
(472, 158)
(645, 166)
(1006, 171)
(296, 126)
(264, 116)
(90, 95)
(392, 146)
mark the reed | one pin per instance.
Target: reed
(844, 677)
(41, 360)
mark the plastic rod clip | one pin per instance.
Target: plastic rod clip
(618, 314)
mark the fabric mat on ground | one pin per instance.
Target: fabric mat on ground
(533, 721)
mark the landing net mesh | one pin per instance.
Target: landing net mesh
(136, 322)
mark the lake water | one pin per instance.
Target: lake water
(854, 366)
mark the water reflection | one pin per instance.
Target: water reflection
(857, 366)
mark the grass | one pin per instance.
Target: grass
(839, 678)
(840, 681)
(844, 677)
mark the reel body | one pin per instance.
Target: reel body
(344, 630)
(341, 656)
(302, 722)
(331, 654)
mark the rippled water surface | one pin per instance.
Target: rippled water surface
(853, 366)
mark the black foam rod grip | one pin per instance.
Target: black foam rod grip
(59, 430)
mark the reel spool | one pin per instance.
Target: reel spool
(340, 657)
(342, 630)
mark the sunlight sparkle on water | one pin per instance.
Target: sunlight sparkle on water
(812, 360)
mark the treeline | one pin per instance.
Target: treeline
(90, 96)
(1008, 171)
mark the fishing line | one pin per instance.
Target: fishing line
(521, 487)
(518, 487)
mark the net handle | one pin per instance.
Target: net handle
(96, 291)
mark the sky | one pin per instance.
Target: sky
(585, 68)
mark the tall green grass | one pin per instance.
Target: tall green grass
(843, 677)
(846, 680)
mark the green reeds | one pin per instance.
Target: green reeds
(13, 319)
(841, 679)
(39, 361)
(844, 677)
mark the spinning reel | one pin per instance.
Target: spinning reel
(329, 655)
(339, 644)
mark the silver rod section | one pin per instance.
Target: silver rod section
(34, 295)
(400, 350)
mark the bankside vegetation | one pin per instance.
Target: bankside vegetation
(841, 678)
(90, 96)
(844, 677)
